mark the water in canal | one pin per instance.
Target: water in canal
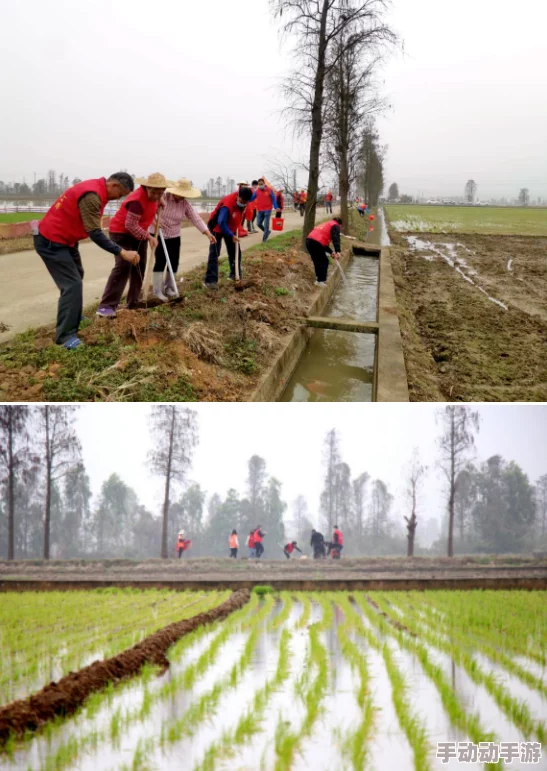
(339, 366)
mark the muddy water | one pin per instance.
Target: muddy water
(339, 366)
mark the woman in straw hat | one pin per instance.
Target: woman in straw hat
(129, 229)
(176, 208)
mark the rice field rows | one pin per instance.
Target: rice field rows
(317, 681)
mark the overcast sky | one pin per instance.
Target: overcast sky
(191, 89)
(376, 438)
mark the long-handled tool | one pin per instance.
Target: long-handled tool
(150, 261)
(168, 261)
(238, 252)
(337, 262)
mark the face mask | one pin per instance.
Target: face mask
(241, 204)
(262, 187)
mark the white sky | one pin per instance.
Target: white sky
(190, 89)
(377, 438)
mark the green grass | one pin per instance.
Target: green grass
(20, 216)
(455, 219)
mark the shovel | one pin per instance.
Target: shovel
(169, 266)
(240, 285)
(150, 261)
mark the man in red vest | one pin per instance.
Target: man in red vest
(224, 224)
(265, 203)
(317, 244)
(129, 229)
(75, 216)
(328, 202)
(259, 537)
(337, 543)
(280, 203)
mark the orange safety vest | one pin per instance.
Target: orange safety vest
(233, 542)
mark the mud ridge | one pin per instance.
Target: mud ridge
(64, 697)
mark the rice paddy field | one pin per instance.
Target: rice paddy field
(290, 680)
(468, 219)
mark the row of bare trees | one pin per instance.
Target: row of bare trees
(332, 94)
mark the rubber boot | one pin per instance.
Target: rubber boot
(168, 286)
(157, 282)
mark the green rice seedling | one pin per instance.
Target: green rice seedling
(115, 725)
(304, 619)
(262, 590)
(281, 618)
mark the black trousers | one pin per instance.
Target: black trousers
(318, 253)
(211, 276)
(286, 553)
(328, 205)
(181, 551)
(65, 268)
(302, 208)
(259, 549)
(233, 553)
(173, 250)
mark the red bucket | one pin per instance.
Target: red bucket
(278, 223)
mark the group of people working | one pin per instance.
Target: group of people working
(255, 544)
(77, 215)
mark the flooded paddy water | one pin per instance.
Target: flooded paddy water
(299, 681)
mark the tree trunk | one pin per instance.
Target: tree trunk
(316, 127)
(11, 502)
(344, 190)
(164, 550)
(452, 493)
(47, 518)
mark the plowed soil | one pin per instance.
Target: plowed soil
(459, 344)
(64, 697)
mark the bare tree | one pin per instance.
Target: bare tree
(351, 97)
(13, 443)
(317, 26)
(393, 193)
(459, 423)
(175, 432)
(360, 486)
(541, 502)
(371, 176)
(331, 459)
(62, 452)
(524, 197)
(415, 476)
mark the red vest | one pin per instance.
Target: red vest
(63, 223)
(329, 197)
(338, 537)
(251, 540)
(280, 201)
(257, 536)
(235, 214)
(296, 198)
(290, 548)
(323, 233)
(149, 209)
(264, 199)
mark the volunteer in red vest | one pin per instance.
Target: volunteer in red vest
(234, 544)
(280, 203)
(183, 544)
(265, 203)
(176, 209)
(75, 216)
(296, 200)
(224, 224)
(251, 544)
(129, 229)
(258, 537)
(337, 543)
(317, 244)
(303, 202)
(289, 548)
(328, 202)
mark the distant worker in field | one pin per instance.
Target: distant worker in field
(234, 544)
(317, 543)
(175, 210)
(75, 216)
(328, 202)
(265, 204)
(289, 548)
(296, 200)
(258, 538)
(317, 244)
(224, 224)
(303, 201)
(251, 544)
(337, 543)
(129, 229)
(183, 544)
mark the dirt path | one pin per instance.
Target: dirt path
(28, 296)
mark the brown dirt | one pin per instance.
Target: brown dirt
(21, 244)
(64, 698)
(460, 346)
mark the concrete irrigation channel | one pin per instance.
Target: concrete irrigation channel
(349, 346)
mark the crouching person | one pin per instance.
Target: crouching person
(317, 244)
(75, 216)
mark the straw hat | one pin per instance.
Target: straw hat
(184, 188)
(181, 532)
(243, 184)
(154, 180)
